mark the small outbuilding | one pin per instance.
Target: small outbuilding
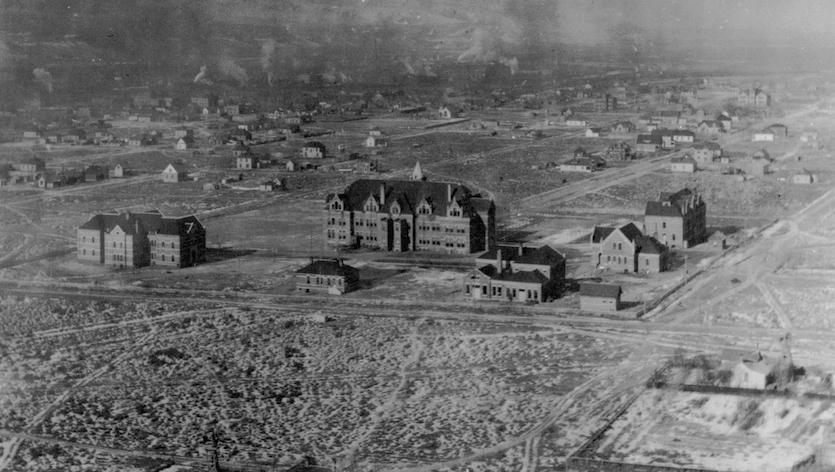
(330, 276)
(600, 297)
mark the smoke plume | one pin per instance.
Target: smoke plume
(229, 69)
(267, 51)
(43, 77)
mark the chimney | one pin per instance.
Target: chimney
(448, 192)
(521, 249)
(382, 194)
(499, 260)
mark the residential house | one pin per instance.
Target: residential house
(804, 177)
(683, 136)
(240, 135)
(684, 164)
(185, 143)
(95, 173)
(314, 150)
(666, 117)
(753, 371)
(410, 215)
(677, 219)
(706, 152)
(754, 97)
(710, 127)
(175, 173)
(376, 141)
(28, 169)
(620, 151)
(232, 109)
(666, 135)
(370, 166)
(292, 166)
(780, 131)
(375, 131)
(31, 131)
(516, 274)
(183, 132)
(74, 136)
(593, 132)
(139, 239)
(579, 165)
(764, 135)
(580, 153)
(330, 276)
(49, 179)
(623, 127)
(119, 171)
(576, 121)
(447, 113)
(247, 162)
(726, 121)
(648, 143)
(600, 297)
(718, 240)
(625, 249)
(240, 149)
(758, 166)
(142, 140)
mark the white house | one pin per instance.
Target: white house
(764, 135)
(376, 141)
(683, 164)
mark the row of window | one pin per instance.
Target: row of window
(163, 258)
(84, 252)
(318, 280)
(333, 221)
(172, 245)
(624, 260)
(497, 291)
(84, 239)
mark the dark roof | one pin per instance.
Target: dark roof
(545, 255)
(600, 290)
(528, 277)
(329, 267)
(181, 169)
(649, 245)
(410, 193)
(683, 160)
(509, 252)
(630, 231)
(600, 233)
(581, 162)
(660, 209)
(314, 144)
(711, 123)
(151, 221)
(649, 139)
(669, 204)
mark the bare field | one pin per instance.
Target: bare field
(719, 432)
(158, 375)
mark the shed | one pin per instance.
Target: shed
(600, 297)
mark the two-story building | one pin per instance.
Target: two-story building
(626, 249)
(677, 219)
(132, 239)
(314, 150)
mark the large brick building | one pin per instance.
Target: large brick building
(521, 274)
(416, 215)
(132, 239)
(677, 219)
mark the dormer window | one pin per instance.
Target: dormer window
(336, 205)
(424, 209)
(395, 209)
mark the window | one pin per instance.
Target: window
(674, 237)
(467, 289)
(94, 252)
(163, 244)
(499, 291)
(664, 224)
(614, 245)
(84, 239)
(94, 239)
(114, 243)
(620, 247)
(484, 290)
(646, 262)
(84, 252)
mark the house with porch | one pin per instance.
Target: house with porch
(516, 273)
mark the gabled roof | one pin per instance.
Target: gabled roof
(600, 233)
(179, 168)
(330, 267)
(527, 276)
(682, 160)
(600, 290)
(649, 139)
(509, 252)
(413, 191)
(649, 245)
(545, 255)
(149, 221)
(314, 144)
(630, 231)
(711, 124)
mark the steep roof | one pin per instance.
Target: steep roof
(545, 255)
(413, 192)
(649, 245)
(649, 139)
(600, 233)
(150, 221)
(600, 290)
(314, 144)
(527, 276)
(179, 168)
(330, 267)
(683, 160)
(630, 231)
